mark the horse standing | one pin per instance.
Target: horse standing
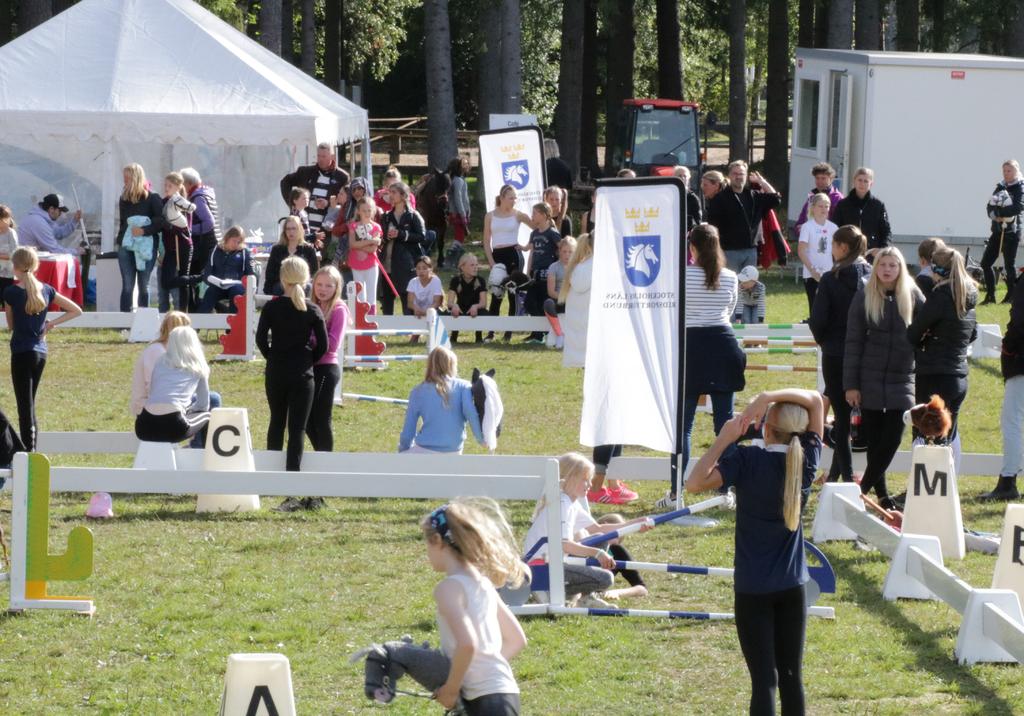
(432, 203)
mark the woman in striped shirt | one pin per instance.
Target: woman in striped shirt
(714, 360)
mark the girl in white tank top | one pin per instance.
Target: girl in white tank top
(471, 542)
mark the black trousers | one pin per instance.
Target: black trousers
(493, 705)
(512, 259)
(4, 283)
(951, 388)
(173, 273)
(811, 289)
(290, 398)
(842, 455)
(602, 457)
(325, 379)
(1009, 250)
(479, 334)
(883, 431)
(26, 373)
(771, 629)
(202, 247)
(169, 428)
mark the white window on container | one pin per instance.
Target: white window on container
(807, 116)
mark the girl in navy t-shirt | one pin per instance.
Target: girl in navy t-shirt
(771, 483)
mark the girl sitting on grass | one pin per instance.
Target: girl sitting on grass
(444, 403)
(771, 571)
(471, 542)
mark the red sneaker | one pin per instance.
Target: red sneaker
(627, 495)
(602, 495)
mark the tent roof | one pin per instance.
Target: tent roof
(162, 71)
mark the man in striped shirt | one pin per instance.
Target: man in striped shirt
(322, 180)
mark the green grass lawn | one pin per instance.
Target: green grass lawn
(176, 593)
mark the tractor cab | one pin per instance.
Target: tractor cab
(657, 135)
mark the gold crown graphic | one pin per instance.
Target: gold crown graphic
(632, 213)
(513, 148)
(642, 226)
(652, 213)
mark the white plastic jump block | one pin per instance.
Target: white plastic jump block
(228, 447)
(984, 630)
(155, 456)
(933, 500)
(899, 584)
(1009, 572)
(145, 326)
(258, 685)
(828, 523)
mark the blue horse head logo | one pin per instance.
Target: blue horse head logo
(642, 259)
(516, 173)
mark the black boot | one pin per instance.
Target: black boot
(1005, 490)
(989, 298)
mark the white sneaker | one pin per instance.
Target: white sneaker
(668, 502)
(592, 601)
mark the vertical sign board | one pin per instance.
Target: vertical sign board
(635, 343)
(933, 500)
(516, 157)
(1009, 572)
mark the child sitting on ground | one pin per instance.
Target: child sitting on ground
(575, 473)
(751, 302)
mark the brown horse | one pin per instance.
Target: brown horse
(432, 203)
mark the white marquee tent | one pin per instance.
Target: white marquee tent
(167, 84)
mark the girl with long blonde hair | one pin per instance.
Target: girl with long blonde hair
(291, 335)
(326, 371)
(941, 333)
(771, 484)
(25, 306)
(291, 242)
(443, 403)
(469, 539)
(142, 223)
(178, 404)
(878, 362)
(575, 294)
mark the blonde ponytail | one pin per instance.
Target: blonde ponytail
(26, 262)
(788, 421)
(442, 367)
(294, 276)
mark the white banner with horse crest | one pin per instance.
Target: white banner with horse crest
(515, 157)
(631, 383)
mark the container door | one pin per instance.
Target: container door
(839, 127)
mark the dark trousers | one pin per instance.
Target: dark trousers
(621, 554)
(992, 250)
(951, 388)
(173, 271)
(512, 259)
(215, 294)
(170, 428)
(4, 283)
(202, 247)
(842, 455)
(290, 398)
(883, 431)
(536, 294)
(388, 298)
(602, 457)
(454, 335)
(318, 427)
(26, 372)
(771, 629)
(811, 289)
(493, 705)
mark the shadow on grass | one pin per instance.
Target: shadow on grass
(930, 656)
(987, 367)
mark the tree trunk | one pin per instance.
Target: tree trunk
(308, 37)
(670, 63)
(1015, 35)
(332, 44)
(288, 30)
(805, 24)
(62, 5)
(620, 76)
(441, 145)
(511, 58)
(737, 79)
(588, 102)
(488, 75)
(908, 25)
(6, 21)
(776, 140)
(869, 25)
(940, 40)
(821, 10)
(840, 24)
(270, 25)
(570, 85)
(32, 13)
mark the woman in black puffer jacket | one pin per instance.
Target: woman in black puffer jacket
(1006, 209)
(828, 324)
(878, 362)
(941, 333)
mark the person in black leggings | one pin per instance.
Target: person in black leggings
(771, 570)
(327, 372)
(178, 404)
(25, 304)
(283, 336)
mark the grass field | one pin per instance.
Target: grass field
(176, 592)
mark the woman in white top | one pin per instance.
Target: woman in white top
(8, 245)
(501, 244)
(575, 294)
(715, 362)
(471, 542)
(815, 244)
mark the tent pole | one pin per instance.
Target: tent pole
(108, 182)
(367, 162)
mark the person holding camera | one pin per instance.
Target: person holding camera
(737, 210)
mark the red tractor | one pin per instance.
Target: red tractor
(657, 135)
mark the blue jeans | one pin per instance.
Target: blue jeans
(736, 259)
(130, 274)
(1012, 422)
(198, 440)
(747, 314)
(721, 413)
